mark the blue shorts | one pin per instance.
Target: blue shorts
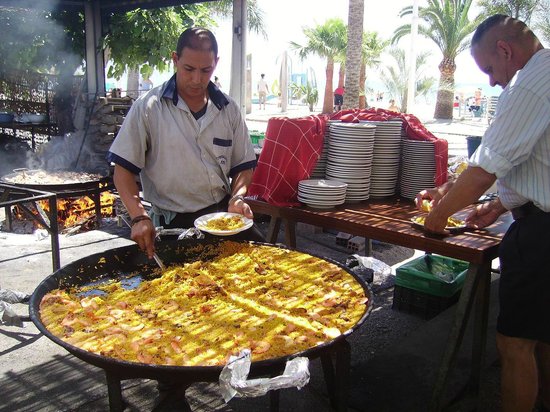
(525, 279)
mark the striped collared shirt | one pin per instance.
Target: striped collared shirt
(516, 147)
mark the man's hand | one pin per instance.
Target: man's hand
(431, 196)
(238, 205)
(143, 233)
(485, 214)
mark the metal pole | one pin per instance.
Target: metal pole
(411, 84)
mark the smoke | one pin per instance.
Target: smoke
(68, 152)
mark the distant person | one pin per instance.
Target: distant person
(217, 82)
(393, 107)
(476, 101)
(145, 85)
(263, 89)
(339, 98)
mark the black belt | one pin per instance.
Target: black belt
(525, 210)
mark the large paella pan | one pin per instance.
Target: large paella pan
(122, 271)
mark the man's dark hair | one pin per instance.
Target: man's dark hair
(487, 24)
(197, 38)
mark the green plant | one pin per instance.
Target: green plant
(306, 92)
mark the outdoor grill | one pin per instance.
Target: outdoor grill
(119, 263)
(91, 185)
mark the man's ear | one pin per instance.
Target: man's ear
(504, 49)
(175, 58)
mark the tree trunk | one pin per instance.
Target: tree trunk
(132, 85)
(353, 53)
(329, 92)
(342, 75)
(445, 92)
(362, 91)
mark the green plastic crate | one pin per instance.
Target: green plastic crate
(433, 274)
(256, 136)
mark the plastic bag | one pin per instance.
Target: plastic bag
(371, 270)
(233, 380)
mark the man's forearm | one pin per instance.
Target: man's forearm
(128, 190)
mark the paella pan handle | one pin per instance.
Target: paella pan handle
(234, 382)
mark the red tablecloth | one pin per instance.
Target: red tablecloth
(291, 149)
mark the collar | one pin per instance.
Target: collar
(217, 97)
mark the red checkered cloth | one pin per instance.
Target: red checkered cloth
(414, 129)
(291, 149)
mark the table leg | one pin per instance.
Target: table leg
(471, 291)
(337, 376)
(290, 233)
(116, 403)
(273, 230)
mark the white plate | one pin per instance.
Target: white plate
(200, 223)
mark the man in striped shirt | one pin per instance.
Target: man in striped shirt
(515, 151)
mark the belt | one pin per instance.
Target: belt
(525, 210)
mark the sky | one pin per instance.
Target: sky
(285, 20)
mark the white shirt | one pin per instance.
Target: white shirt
(262, 86)
(184, 165)
(516, 147)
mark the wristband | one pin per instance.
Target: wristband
(235, 198)
(139, 219)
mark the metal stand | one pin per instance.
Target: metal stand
(13, 195)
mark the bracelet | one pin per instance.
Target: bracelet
(235, 198)
(139, 219)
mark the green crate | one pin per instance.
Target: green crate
(433, 274)
(255, 136)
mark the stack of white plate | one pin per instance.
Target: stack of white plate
(321, 165)
(387, 157)
(350, 155)
(321, 193)
(418, 167)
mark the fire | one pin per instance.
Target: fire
(79, 211)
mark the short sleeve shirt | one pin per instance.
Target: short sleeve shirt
(184, 165)
(516, 147)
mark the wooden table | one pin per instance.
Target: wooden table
(389, 221)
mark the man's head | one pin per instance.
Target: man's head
(262, 75)
(195, 59)
(501, 46)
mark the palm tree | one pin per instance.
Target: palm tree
(327, 41)
(446, 23)
(520, 9)
(533, 12)
(370, 57)
(254, 14)
(394, 77)
(353, 52)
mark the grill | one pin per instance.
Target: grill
(91, 185)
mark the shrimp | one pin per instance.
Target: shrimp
(259, 346)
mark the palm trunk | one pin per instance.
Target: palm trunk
(362, 81)
(445, 92)
(329, 91)
(341, 75)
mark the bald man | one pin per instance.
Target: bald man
(515, 151)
